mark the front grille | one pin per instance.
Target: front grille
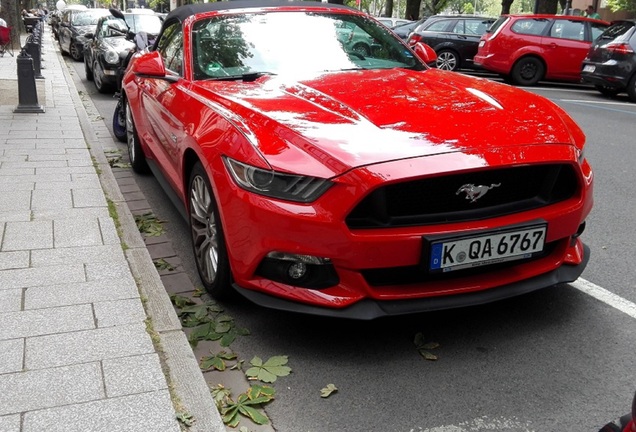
(436, 200)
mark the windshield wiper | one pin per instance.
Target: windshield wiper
(248, 77)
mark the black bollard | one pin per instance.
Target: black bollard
(34, 50)
(27, 92)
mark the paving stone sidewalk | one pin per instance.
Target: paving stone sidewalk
(79, 303)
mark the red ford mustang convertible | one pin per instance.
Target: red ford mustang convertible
(324, 179)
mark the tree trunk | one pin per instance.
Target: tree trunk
(388, 8)
(413, 9)
(549, 6)
(11, 13)
(505, 6)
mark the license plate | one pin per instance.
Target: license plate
(589, 68)
(487, 248)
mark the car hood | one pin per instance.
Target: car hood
(119, 44)
(358, 118)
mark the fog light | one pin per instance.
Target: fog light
(578, 233)
(301, 271)
(297, 270)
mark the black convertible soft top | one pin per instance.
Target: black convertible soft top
(182, 12)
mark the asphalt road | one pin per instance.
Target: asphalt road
(555, 360)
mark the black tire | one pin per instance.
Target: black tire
(75, 52)
(527, 71)
(448, 60)
(208, 240)
(98, 79)
(89, 72)
(119, 122)
(135, 152)
(362, 49)
(607, 91)
(631, 89)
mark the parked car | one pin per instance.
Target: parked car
(455, 39)
(75, 23)
(393, 22)
(355, 39)
(526, 49)
(405, 30)
(610, 64)
(320, 181)
(108, 47)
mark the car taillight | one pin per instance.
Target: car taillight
(414, 38)
(619, 48)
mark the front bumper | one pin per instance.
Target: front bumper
(368, 309)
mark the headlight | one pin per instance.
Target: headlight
(111, 56)
(275, 184)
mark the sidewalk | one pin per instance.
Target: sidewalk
(80, 307)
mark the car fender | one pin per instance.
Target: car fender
(526, 51)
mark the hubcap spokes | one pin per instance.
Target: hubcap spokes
(204, 229)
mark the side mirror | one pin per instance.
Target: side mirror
(425, 53)
(116, 13)
(150, 65)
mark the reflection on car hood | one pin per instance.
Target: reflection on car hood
(119, 44)
(365, 117)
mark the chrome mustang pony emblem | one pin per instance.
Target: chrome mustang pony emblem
(473, 193)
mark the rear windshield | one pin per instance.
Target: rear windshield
(621, 29)
(493, 28)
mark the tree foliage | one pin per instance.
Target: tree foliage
(624, 5)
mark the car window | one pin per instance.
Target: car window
(437, 26)
(476, 27)
(497, 24)
(566, 29)
(616, 30)
(112, 26)
(597, 30)
(530, 26)
(171, 48)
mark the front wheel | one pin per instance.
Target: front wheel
(208, 240)
(75, 52)
(119, 122)
(527, 71)
(135, 152)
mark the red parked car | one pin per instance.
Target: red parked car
(320, 180)
(526, 49)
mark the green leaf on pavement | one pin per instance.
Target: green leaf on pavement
(327, 391)
(424, 347)
(217, 361)
(185, 418)
(269, 371)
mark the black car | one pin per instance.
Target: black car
(108, 47)
(74, 24)
(455, 38)
(610, 64)
(405, 30)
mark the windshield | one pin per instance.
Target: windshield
(144, 22)
(89, 17)
(294, 42)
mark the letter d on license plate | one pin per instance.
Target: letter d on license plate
(486, 248)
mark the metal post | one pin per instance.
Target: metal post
(27, 92)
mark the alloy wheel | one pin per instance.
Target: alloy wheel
(204, 230)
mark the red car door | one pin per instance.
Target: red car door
(564, 49)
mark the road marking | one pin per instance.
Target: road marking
(482, 424)
(605, 296)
